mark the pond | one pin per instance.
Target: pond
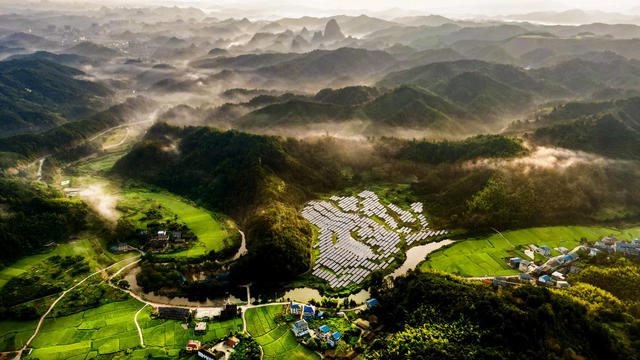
(417, 254)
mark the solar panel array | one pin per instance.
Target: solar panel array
(352, 244)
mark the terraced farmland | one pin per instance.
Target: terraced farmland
(110, 329)
(277, 340)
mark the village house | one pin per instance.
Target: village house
(371, 303)
(294, 309)
(308, 312)
(210, 354)
(232, 342)
(300, 328)
(334, 339)
(193, 346)
(525, 265)
(514, 262)
(229, 312)
(201, 328)
(627, 248)
(544, 250)
(323, 332)
(609, 240)
(545, 279)
(557, 275)
(173, 313)
(562, 250)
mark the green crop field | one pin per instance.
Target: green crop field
(110, 329)
(210, 232)
(480, 257)
(14, 334)
(90, 247)
(277, 340)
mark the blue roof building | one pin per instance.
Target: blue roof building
(544, 250)
(371, 303)
(544, 278)
(308, 312)
(334, 339)
(323, 331)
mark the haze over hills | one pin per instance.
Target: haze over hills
(285, 182)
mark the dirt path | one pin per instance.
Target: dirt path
(135, 320)
(35, 333)
(113, 146)
(243, 247)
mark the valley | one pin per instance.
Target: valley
(232, 183)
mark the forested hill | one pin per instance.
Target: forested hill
(27, 146)
(259, 180)
(38, 94)
(437, 316)
(32, 215)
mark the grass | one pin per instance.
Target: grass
(483, 257)
(277, 340)
(211, 233)
(88, 246)
(110, 330)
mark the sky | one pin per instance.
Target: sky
(484, 7)
(378, 8)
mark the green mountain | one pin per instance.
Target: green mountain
(320, 64)
(412, 107)
(348, 96)
(481, 94)
(405, 106)
(604, 135)
(37, 94)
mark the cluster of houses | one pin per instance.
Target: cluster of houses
(551, 273)
(160, 240)
(611, 244)
(555, 270)
(322, 333)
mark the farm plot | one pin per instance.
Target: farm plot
(110, 329)
(170, 334)
(277, 341)
(211, 233)
(260, 320)
(14, 334)
(88, 247)
(483, 257)
(104, 330)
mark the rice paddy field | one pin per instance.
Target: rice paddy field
(277, 340)
(87, 246)
(484, 256)
(211, 233)
(110, 329)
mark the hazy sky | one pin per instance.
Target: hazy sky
(489, 7)
(281, 8)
